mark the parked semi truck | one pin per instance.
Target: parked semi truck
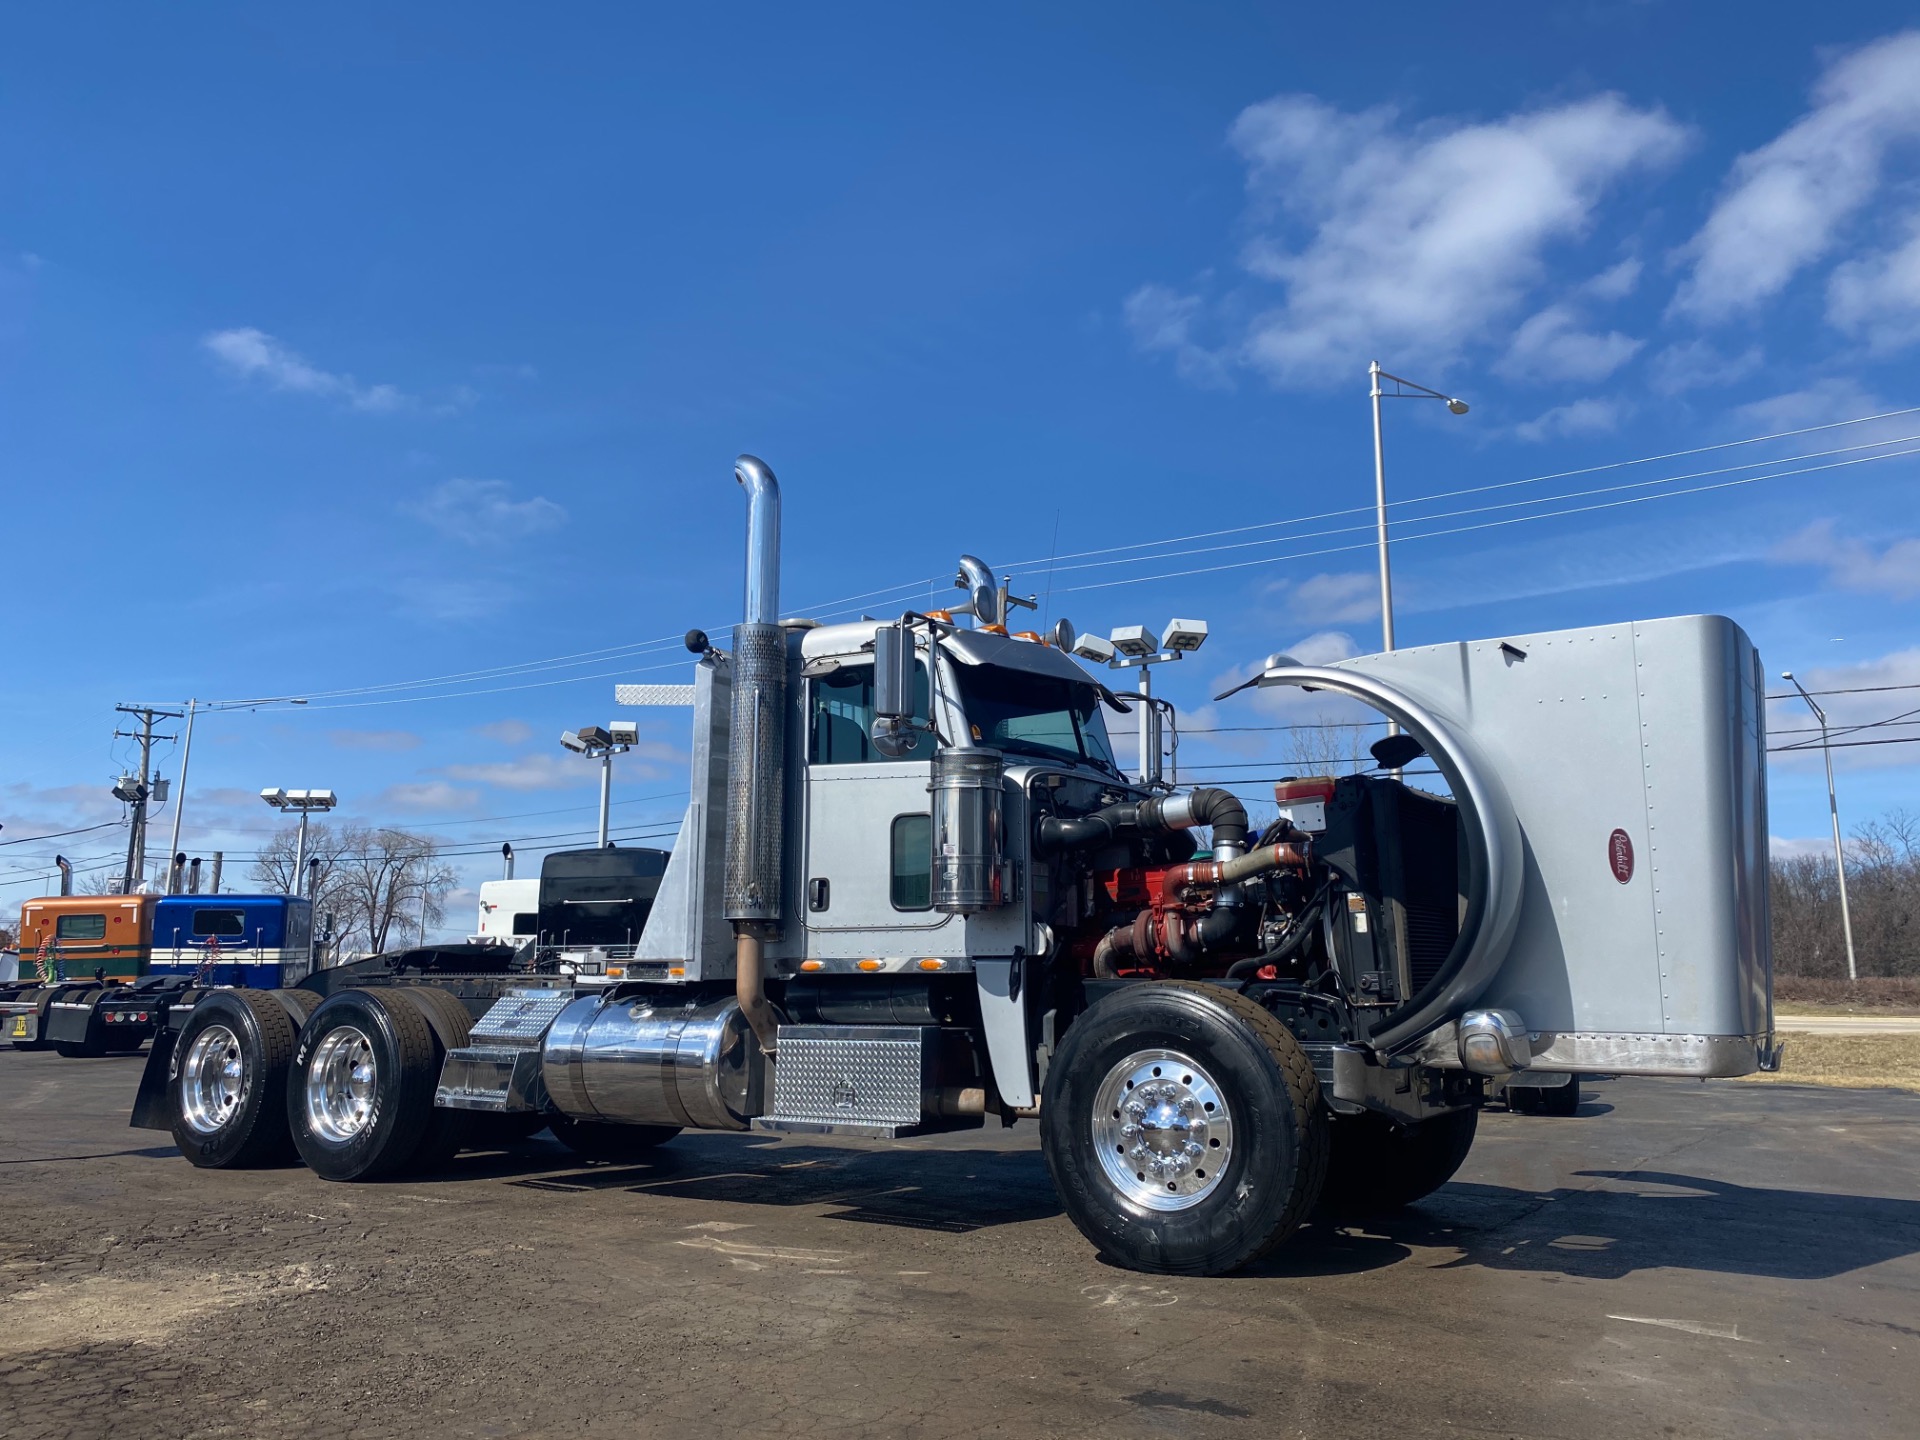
(914, 891)
(107, 968)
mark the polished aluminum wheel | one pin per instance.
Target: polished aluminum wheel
(212, 1080)
(1162, 1130)
(341, 1080)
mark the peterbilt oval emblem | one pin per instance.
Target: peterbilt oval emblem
(1620, 855)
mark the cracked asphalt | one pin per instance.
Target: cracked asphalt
(1676, 1260)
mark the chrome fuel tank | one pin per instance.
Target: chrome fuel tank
(644, 1061)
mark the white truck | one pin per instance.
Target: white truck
(913, 891)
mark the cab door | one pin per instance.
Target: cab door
(866, 891)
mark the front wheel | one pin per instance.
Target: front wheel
(1183, 1129)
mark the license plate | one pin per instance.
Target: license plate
(20, 1027)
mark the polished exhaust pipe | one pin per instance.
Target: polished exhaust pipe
(756, 755)
(506, 857)
(66, 874)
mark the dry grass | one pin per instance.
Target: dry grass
(1854, 1062)
(1836, 997)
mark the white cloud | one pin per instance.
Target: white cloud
(1781, 847)
(1892, 570)
(507, 732)
(1419, 239)
(1616, 282)
(1821, 403)
(558, 770)
(1580, 417)
(389, 740)
(483, 512)
(452, 599)
(1877, 298)
(1338, 599)
(1163, 319)
(255, 355)
(1551, 345)
(425, 797)
(537, 771)
(1865, 700)
(1699, 365)
(1784, 205)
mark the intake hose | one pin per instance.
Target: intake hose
(1207, 806)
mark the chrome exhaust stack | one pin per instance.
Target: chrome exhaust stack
(66, 874)
(756, 755)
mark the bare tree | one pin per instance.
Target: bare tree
(1327, 748)
(375, 881)
(391, 880)
(1883, 891)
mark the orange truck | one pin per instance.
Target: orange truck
(70, 943)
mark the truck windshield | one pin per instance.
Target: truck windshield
(1034, 715)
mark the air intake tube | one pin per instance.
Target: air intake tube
(1218, 808)
(756, 755)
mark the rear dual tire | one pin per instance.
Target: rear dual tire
(359, 1102)
(227, 1081)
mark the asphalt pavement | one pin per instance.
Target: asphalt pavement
(1676, 1260)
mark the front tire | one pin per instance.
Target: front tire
(227, 1083)
(1183, 1128)
(360, 1096)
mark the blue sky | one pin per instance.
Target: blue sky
(345, 350)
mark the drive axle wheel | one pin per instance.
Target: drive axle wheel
(360, 1097)
(1183, 1129)
(228, 1079)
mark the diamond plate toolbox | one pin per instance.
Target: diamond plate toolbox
(520, 1017)
(853, 1074)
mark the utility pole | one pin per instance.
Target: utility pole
(137, 793)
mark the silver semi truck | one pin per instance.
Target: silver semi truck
(914, 891)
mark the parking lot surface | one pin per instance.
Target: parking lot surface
(1676, 1260)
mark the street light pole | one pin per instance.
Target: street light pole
(602, 743)
(606, 793)
(1833, 809)
(1380, 510)
(180, 781)
(1402, 390)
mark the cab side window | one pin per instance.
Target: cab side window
(840, 715)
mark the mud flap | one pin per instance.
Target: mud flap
(150, 1110)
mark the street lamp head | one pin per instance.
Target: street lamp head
(573, 742)
(594, 735)
(625, 732)
(1185, 635)
(1135, 641)
(276, 798)
(1092, 647)
(1458, 407)
(1786, 674)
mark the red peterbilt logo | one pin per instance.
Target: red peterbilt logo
(1620, 856)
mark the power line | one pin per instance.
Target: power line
(59, 834)
(636, 648)
(1503, 484)
(1491, 524)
